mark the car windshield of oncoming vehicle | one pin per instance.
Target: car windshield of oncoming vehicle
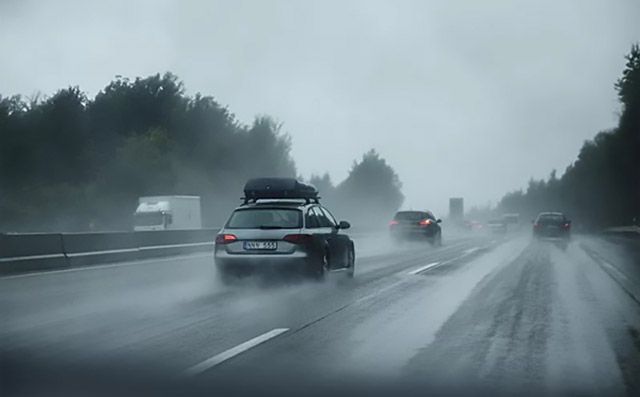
(256, 218)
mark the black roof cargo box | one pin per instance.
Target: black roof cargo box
(283, 188)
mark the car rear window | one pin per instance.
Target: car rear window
(551, 218)
(265, 218)
(410, 216)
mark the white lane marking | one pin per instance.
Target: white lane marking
(423, 268)
(96, 267)
(234, 351)
(32, 257)
(154, 247)
(90, 253)
(615, 270)
(438, 264)
(471, 251)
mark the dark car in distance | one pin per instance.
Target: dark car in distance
(416, 225)
(552, 225)
(282, 228)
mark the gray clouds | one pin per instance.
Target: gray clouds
(467, 98)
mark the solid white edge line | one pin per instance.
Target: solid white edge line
(423, 268)
(90, 253)
(234, 351)
(97, 267)
(32, 257)
(155, 247)
(94, 253)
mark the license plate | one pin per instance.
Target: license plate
(260, 245)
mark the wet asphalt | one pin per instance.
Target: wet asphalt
(494, 314)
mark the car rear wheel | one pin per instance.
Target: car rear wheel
(351, 263)
(436, 239)
(323, 267)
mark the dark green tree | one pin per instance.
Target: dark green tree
(371, 193)
(602, 186)
(68, 160)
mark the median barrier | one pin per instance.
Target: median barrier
(154, 244)
(84, 249)
(626, 232)
(21, 253)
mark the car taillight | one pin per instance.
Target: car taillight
(426, 223)
(225, 238)
(536, 224)
(297, 238)
(393, 223)
(566, 224)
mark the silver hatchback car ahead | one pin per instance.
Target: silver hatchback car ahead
(282, 227)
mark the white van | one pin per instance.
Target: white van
(167, 212)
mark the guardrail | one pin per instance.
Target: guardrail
(625, 229)
(21, 253)
(623, 234)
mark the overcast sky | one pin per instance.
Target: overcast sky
(463, 98)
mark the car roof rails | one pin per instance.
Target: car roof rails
(278, 188)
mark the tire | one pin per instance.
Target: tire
(322, 269)
(351, 263)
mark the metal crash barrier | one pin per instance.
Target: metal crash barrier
(23, 253)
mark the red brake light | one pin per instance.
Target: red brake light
(566, 224)
(394, 223)
(426, 223)
(536, 224)
(225, 238)
(297, 238)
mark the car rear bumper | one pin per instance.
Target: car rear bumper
(413, 233)
(552, 233)
(248, 264)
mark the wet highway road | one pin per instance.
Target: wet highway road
(492, 313)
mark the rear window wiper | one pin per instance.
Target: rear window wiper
(267, 227)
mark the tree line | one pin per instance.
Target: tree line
(601, 187)
(370, 195)
(73, 163)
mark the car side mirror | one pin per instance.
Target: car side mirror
(439, 221)
(344, 225)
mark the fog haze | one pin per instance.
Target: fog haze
(462, 98)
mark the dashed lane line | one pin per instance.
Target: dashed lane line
(234, 351)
